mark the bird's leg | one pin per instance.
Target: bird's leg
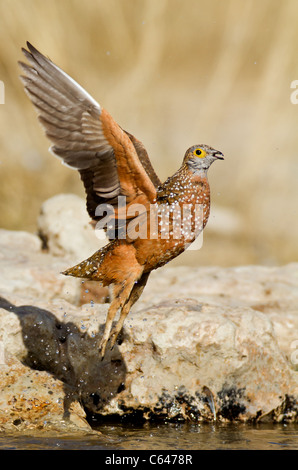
(115, 304)
(121, 294)
(134, 296)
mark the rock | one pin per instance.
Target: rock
(65, 229)
(28, 270)
(198, 361)
(271, 290)
(179, 359)
(64, 226)
(25, 269)
(35, 400)
(201, 344)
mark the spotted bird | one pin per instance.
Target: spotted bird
(112, 163)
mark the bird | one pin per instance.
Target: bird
(154, 223)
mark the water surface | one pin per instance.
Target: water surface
(148, 436)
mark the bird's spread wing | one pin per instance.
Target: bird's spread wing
(111, 161)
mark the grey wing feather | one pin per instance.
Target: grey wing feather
(71, 119)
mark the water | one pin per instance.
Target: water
(116, 436)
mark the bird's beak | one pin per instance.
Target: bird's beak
(218, 154)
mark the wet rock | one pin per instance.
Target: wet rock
(35, 400)
(200, 361)
(201, 343)
(177, 360)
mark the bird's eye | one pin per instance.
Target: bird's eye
(199, 153)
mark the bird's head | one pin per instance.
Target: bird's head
(200, 157)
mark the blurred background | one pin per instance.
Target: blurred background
(173, 74)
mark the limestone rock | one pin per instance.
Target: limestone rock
(178, 360)
(35, 400)
(64, 225)
(201, 343)
(26, 270)
(271, 290)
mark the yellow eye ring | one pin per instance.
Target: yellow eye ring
(199, 153)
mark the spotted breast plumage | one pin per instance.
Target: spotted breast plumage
(155, 223)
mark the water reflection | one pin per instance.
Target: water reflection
(203, 436)
(148, 436)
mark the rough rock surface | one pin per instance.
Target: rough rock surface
(201, 343)
(64, 226)
(34, 400)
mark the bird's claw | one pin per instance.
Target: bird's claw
(102, 347)
(104, 341)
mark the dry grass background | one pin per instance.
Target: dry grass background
(174, 73)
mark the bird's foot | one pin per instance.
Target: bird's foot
(113, 337)
(104, 341)
(102, 346)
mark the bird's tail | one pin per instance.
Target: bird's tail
(85, 269)
(90, 267)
